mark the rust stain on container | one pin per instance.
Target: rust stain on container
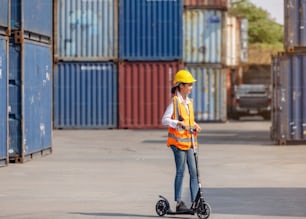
(212, 4)
(144, 92)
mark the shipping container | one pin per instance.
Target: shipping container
(289, 102)
(4, 101)
(150, 30)
(144, 92)
(209, 93)
(85, 95)
(232, 34)
(5, 17)
(203, 31)
(30, 99)
(86, 30)
(294, 25)
(212, 4)
(33, 18)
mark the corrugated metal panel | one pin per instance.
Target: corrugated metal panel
(209, 93)
(30, 132)
(4, 16)
(213, 4)
(4, 100)
(294, 25)
(85, 95)
(150, 30)
(233, 40)
(244, 35)
(276, 100)
(86, 30)
(33, 16)
(290, 105)
(203, 36)
(144, 92)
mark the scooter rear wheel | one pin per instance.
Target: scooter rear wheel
(203, 210)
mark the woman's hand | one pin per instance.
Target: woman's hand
(197, 127)
(180, 124)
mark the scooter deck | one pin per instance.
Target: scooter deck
(170, 212)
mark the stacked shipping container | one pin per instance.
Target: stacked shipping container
(30, 79)
(235, 54)
(85, 55)
(150, 53)
(289, 79)
(152, 42)
(203, 40)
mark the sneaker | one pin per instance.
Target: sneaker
(181, 207)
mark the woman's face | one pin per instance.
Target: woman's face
(186, 89)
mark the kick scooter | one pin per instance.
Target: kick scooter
(199, 206)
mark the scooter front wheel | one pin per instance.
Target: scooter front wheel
(203, 210)
(162, 207)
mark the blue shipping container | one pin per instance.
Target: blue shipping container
(209, 93)
(85, 95)
(32, 16)
(30, 132)
(4, 100)
(86, 30)
(4, 16)
(203, 31)
(150, 30)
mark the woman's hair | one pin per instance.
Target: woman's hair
(176, 87)
(173, 89)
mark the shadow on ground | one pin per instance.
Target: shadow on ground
(277, 202)
(283, 202)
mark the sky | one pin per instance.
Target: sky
(274, 7)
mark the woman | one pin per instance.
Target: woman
(179, 117)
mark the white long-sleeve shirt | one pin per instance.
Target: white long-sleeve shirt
(166, 120)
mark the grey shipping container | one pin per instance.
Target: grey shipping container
(209, 93)
(30, 99)
(5, 17)
(33, 18)
(4, 101)
(150, 30)
(85, 30)
(294, 24)
(289, 98)
(85, 95)
(203, 30)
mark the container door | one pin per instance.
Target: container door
(37, 108)
(4, 16)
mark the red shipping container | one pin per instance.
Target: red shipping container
(210, 4)
(144, 92)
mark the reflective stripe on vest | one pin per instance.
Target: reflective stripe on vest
(179, 137)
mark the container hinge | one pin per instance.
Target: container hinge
(18, 37)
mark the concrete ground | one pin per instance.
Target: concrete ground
(120, 173)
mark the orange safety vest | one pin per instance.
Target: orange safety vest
(177, 136)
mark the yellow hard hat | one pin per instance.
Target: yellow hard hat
(183, 76)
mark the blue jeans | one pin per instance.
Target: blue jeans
(181, 157)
